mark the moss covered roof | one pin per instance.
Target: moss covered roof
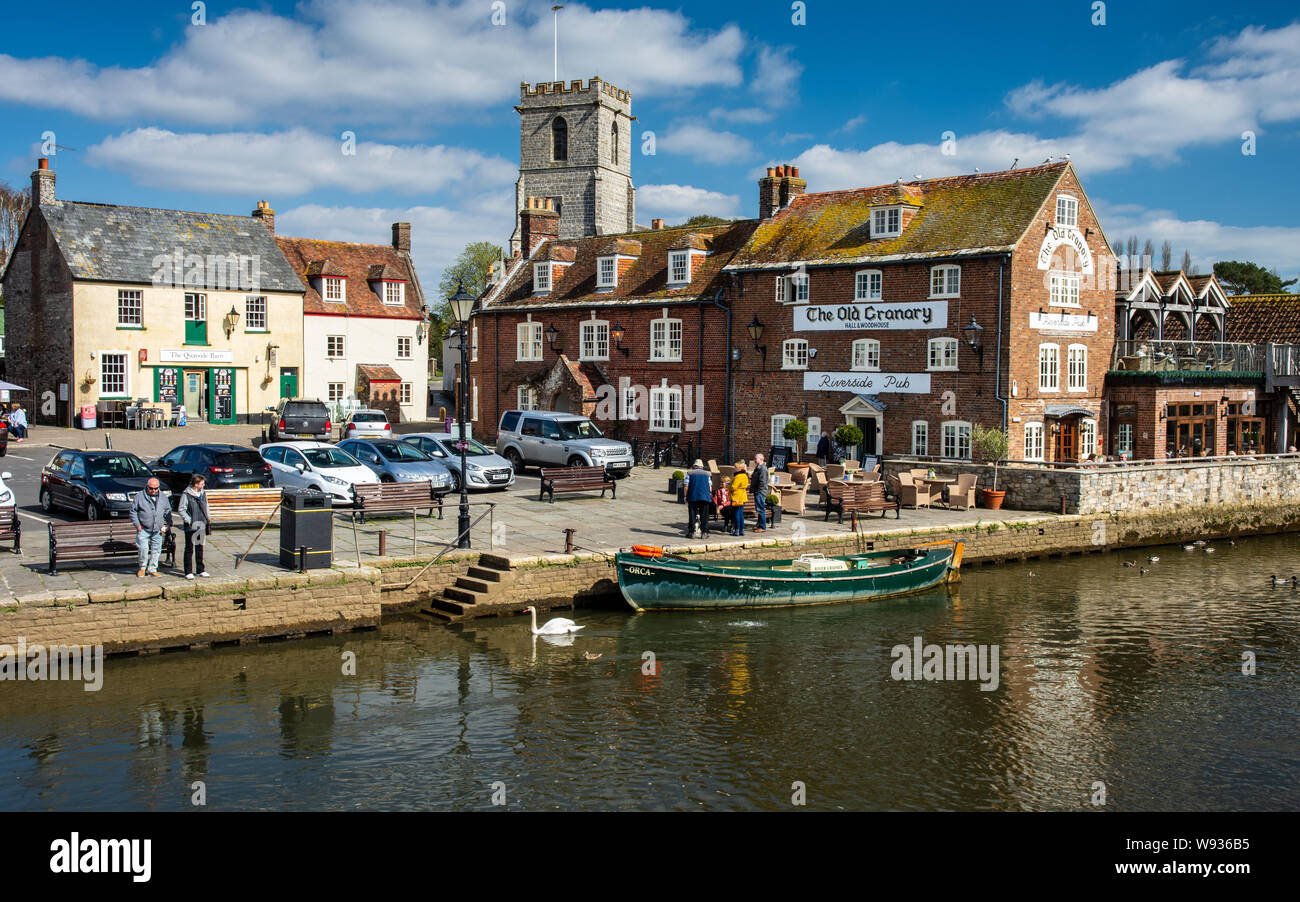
(1264, 317)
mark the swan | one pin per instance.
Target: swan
(553, 627)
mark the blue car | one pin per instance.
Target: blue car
(394, 461)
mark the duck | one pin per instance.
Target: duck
(1130, 563)
(1208, 549)
(593, 656)
(1143, 571)
(1282, 580)
(1154, 559)
(553, 627)
(1030, 575)
(1189, 548)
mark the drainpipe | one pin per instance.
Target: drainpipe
(716, 301)
(997, 381)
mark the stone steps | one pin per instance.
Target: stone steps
(482, 592)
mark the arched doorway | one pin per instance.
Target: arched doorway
(560, 402)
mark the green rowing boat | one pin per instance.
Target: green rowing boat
(654, 580)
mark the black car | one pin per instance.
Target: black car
(223, 466)
(99, 484)
(297, 418)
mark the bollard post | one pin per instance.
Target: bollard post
(568, 540)
(853, 521)
(1063, 502)
(302, 558)
(656, 454)
(383, 542)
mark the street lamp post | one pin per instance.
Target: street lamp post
(462, 305)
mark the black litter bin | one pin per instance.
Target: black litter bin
(306, 521)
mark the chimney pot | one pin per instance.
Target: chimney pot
(43, 163)
(656, 224)
(794, 171)
(771, 172)
(43, 183)
(266, 214)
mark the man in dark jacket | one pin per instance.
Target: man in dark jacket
(151, 514)
(824, 450)
(699, 498)
(758, 485)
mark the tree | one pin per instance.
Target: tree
(1187, 262)
(471, 268)
(990, 444)
(705, 219)
(1148, 254)
(796, 431)
(1249, 278)
(1166, 256)
(13, 210)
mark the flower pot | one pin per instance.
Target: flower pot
(992, 499)
(791, 468)
(672, 485)
(681, 493)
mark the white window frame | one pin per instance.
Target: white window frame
(528, 337)
(404, 348)
(126, 296)
(955, 438)
(778, 424)
(630, 404)
(886, 222)
(800, 288)
(666, 340)
(1064, 289)
(868, 285)
(866, 355)
(666, 408)
(125, 357)
(1049, 367)
(526, 397)
(1125, 439)
(1035, 446)
(253, 316)
(606, 272)
(942, 354)
(680, 260)
(395, 293)
(814, 436)
(920, 438)
(404, 393)
(1067, 211)
(328, 286)
(334, 391)
(1087, 437)
(591, 347)
(333, 341)
(473, 343)
(1077, 368)
(782, 290)
(947, 279)
(794, 354)
(542, 281)
(200, 307)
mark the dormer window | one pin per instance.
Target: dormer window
(886, 222)
(335, 289)
(1067, 211)
(606, 272)
(541, 277)
(394, 293)
(679, 267)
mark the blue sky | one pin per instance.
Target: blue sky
(251, 104)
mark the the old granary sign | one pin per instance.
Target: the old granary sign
(1060, 235)
(869, 383)
(834, 317)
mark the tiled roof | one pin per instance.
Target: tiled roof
(644, 281)
(961, 214)
(108, 243)
(323, 268)
(354, 261)
(378, 372)
(690, 241)
(1264, 317)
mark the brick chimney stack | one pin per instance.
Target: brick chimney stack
(538, 222)
(402, 236)
(266, 214)
(42, 183)
(778, 188)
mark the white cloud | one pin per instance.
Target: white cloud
(704, 144)
(292, 162)
(853, 124)
(681, 202)
(777, 76)
(359, 63)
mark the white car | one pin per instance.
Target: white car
(366, 424)
(486, 469)
(318, 464)
(6, 493)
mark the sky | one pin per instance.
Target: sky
(1182, 118)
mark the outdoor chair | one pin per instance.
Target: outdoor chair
(917, 473)
(715, 475)
(794, 498)
(834, 472)
(910, 494)
(851, 464)
(962, 493)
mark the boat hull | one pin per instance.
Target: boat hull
(674, 584)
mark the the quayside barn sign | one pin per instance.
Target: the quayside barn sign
(831, 317)
(869, 383)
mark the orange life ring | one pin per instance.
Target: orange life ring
(647, 550)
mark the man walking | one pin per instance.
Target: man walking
(699, 495)
(151, 513)
(758, 485)
(824, 450)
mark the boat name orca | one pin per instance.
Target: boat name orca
(640, 571)
(950, 662)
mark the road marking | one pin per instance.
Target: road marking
(34, 517)
(20, 457)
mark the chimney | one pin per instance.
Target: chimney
(656, 224)
(42, 183)
(402, 236)
(778, 188)
(266, 214)
(538, 222)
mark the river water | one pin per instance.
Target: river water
(1106, 676)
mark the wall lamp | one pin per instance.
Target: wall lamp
(974, 334)
(617, 334)
(231, 320)
(755, 330)
(552, 336)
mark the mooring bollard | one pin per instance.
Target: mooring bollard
(1063, 502)
(568, 540)
(383, 542)
(853, 521)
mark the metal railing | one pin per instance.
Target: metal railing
(1286, 359)
(1151, 356)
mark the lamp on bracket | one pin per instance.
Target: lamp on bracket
(617, 334)
(755, 329)
(974, 334)
(231, 320)
(552, 336)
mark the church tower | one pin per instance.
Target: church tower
(575, 149)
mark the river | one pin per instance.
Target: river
(1110, 680)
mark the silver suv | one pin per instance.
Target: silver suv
(546, 438)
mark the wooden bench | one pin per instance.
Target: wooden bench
(241, 505)
(97, 539)
(862, 497)
(11, 527)
(390, 497)
(576, 479)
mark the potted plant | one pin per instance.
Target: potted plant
(796, 431)
(677, 482)
(774, 508)
(990, 445)
(848, 436)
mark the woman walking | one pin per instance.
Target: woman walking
(194, 518)
(739, 495)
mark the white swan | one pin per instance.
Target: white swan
(553, 627)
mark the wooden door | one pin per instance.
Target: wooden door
(1067, 441)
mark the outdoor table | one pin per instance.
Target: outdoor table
(939, 482)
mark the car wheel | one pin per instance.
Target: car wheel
(576, 461)
(386, 478)
(92, 511)
(47, 502)
(516, 462)
(455, 483)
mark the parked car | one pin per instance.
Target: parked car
(367, 424)
(4, 437)
(550, 439)
(99, 484)
(6, 493)
(300, 418)
(487, 470)
(319, 464)
(223, 466)
(394, 461)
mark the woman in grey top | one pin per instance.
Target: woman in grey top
(194, 517)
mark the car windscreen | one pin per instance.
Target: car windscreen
(574, 429)
(325, 458)
(117, 467)
(305, 409)
(472, 448)
(400, 451)
(369, 418)
(238, 459)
